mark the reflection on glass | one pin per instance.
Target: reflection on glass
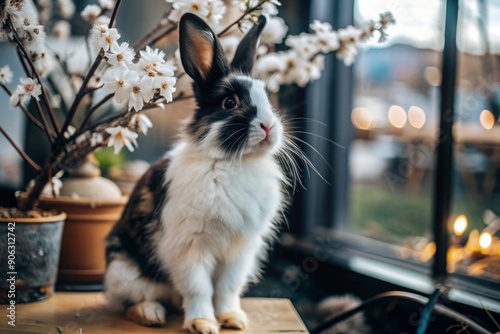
(395, 119)
(476, 251)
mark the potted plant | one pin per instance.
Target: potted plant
(124, 80)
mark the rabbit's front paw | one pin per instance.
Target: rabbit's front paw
(147, 313)
(234, 320)
(202, 326)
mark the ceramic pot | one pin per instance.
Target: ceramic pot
(88, 222)
(32, 269)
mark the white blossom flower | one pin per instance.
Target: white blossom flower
(36, 37)
(151, 55)
(19, 96)
(274, 32)
(179, 7)
(269, 68)
(327, 41)
(153, 59)
(142, 122)
(53, 187)
(69, 132)
(61, 29)
(31, 87)
(44, 62)
(96, 139)
(271, 7)
(305, 45)
(107, 4)
(103, 19)
(5, 75)
(119, 81)
(216, 11)
(167, 87)
(229, 45)
(66, 8)
(102, 37)
(27, 88)
(120, 137)
(347, 53)
(91, 12)
(349, 34)
(268, 8)
(140, 91)
(120, 55)
(320, 27)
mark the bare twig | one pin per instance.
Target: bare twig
(93, 109)
(248, 11)
(162, 35)
(145, 40)
(115, 12)
(27, 113)
(44, 120)
(81, 93)
(20, 151)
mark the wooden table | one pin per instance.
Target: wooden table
(85, 313)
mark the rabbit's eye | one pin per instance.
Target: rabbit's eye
(229, 103)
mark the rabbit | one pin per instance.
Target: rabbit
(199, 222)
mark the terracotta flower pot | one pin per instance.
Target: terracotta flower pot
(88, 222)
(31, 265)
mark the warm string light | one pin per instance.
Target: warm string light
(460, 225)
(485, 240)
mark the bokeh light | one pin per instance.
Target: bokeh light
(485, 240)
(362, 118)
(397, 116)
(460, 225)
(416, 117)
(487, 119)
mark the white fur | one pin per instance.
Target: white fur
(123, 282)
(216, 219)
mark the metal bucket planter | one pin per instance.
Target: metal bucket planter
(29, 257)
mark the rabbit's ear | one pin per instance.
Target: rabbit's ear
(201, 53)
(247, 49)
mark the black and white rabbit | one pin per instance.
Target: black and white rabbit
(198, 223)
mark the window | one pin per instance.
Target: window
(401, 188)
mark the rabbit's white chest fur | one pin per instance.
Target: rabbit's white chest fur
(218, 205)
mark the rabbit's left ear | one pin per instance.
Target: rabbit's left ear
(244, 57)
(201, 53)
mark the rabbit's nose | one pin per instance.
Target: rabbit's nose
(266, 127)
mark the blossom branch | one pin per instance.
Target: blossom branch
(248, 11)
(28, 114)
(20, 151)
(34, 73)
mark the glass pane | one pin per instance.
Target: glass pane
(475, 243)
(395, 116)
